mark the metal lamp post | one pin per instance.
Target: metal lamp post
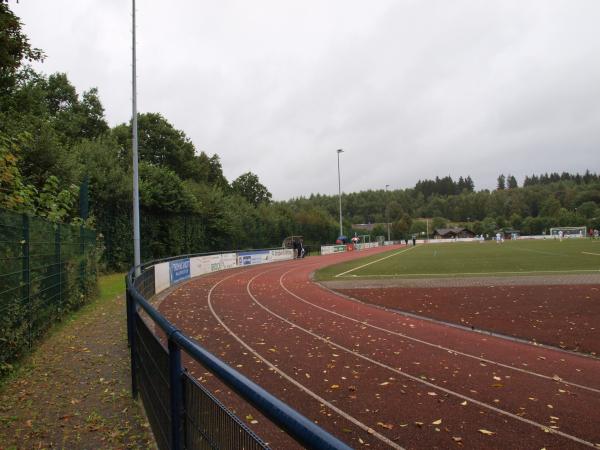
(339, 150)
(134, 151)
(387, 213)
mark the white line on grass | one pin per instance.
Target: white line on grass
(460, 274)
(417, 379)
(284, 375)
(437, 346)
(373, 262)
(589, 253)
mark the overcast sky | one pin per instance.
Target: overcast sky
(409, 89)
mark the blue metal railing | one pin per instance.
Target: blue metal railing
(170, 431)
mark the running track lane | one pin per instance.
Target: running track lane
(370, 375)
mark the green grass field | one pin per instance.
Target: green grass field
(511, 258)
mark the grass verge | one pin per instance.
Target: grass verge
(73, 391)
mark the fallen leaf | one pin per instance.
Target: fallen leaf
(464, 403)
(456, 438)
(387, 426)
(437, 422)
(486, 432)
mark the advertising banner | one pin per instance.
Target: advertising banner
(229, 260)
(253, 257)
(200, 265)
(281, 254)
(329, 249)
(179, 270)
(161, 277)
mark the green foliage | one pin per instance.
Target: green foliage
(249, 187)
(14, 192)
(14, 48)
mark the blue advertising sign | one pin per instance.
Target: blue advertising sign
(253, 257)
(179, 270)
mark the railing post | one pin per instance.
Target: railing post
(176, 392)
(131, 323)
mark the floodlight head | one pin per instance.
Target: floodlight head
(339, 150)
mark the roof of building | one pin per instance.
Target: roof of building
(455, 230)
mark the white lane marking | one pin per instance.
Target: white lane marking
(417, 379)
(373, 262)
(430, 344)
(284, 375)
(532, 250)
(589, 253)
(460, 274)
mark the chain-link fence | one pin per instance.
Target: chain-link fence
(46, 269)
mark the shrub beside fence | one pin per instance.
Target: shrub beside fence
(46, 269)
(183, 413)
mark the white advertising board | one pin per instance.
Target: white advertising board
(329, 249)
(211, 263)
(161, 277)
(229, 260)
(282, 254)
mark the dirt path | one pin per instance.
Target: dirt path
(73, 392)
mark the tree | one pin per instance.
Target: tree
(14, 192)
(550, 207)
(512, 182)
(14, 48)
(588, 209)
(401, 227)
(501, 183)
(438, 222)
(249, 187)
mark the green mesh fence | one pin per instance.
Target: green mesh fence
(46, 269)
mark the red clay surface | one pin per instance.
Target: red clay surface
(383, 379)
(565, 316)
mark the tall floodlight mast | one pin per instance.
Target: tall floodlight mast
(339, 150)
(134, 151)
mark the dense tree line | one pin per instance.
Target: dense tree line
(53, 138)
(573, 200)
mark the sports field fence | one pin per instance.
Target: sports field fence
(46, 269)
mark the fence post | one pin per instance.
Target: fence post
(26, 272)
(176, 392)
(82, 281)
(131, 320)
(57, 257)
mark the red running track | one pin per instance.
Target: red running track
(377, 378)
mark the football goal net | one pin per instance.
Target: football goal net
(568, 231)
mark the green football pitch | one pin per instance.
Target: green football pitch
(466, 259)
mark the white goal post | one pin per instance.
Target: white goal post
(569, 231)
